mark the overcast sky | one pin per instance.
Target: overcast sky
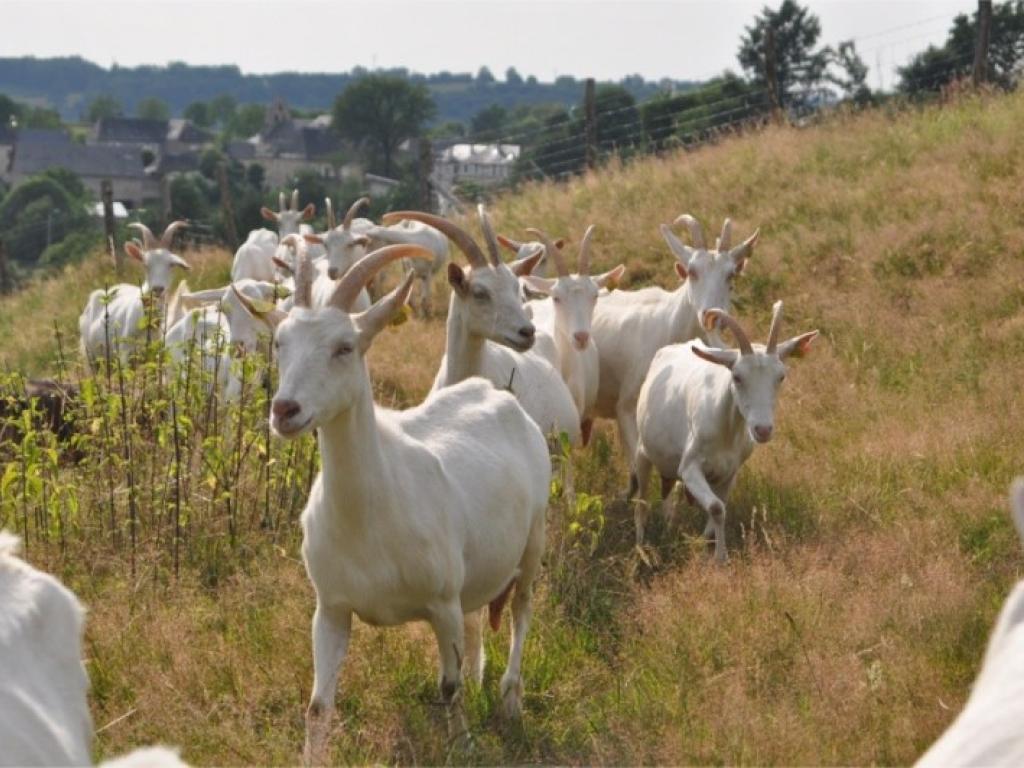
(683, 40)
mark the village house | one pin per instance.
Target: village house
(483, 164)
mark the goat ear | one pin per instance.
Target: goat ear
(283, 265)
(380, 314)
(681, 250)
(681, 271)
(611, 278)
(457, 279)
(526, 266)
(133, 250)
(313, 239)
(510, 244)
(726, 357)
(798, 346)
(179, 262)
(539, 284)
(264, 311)
(199, 298)
(308, 212)
(268, 214)
(744, 251)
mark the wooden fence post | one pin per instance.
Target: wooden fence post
(107, 193)
(227, 208)
(590, 121)
(979, 75)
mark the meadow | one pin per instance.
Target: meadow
(871, 545)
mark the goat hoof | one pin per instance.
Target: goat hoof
(512, 697)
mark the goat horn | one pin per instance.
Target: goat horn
(281, 206)
(362, 272)
(489, 237)
(725, 240)
(352, 211)
(167, 238)
(552, 249)
(773, 331)
(330, 213)
(303, 279)
(295, 199)
(728, 321)
(585, 250)
(509, 243)
(696, 230)
(149, 241)
(455, 233)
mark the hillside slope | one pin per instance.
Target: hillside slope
(871, 546)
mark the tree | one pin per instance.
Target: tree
(152, 108)
(103, 107)
(484, 76)
(798, 68)
(246, 120)
(853, 76)
(222, 109)
(489, 123)
(512, 77)
(380, 112)
(199, 113)
(9, 110)
(618, 121)
(936, 66)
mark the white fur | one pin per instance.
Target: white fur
(412, 233)
(629, 327)
(698, 421)
(988, 730)
(421, 515)
(254, 257)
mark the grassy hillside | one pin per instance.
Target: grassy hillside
(871, 546)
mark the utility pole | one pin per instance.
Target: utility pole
(590, 122)
(227, 208)
(107, 195)
(426, 168)
(979, 75)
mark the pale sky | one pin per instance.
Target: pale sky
(680, 39)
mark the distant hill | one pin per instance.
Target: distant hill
(69, 84)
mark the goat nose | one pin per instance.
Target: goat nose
(285, 409)
(763, 432)
(333, 273)
(158, 290)
(527, 332)
(582, 338)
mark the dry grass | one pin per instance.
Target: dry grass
(872, 547)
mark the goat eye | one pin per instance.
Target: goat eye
(481, 294)
(556, 300)
(342, 350)
(738, 380)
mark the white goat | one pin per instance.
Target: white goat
(254, 257)
(323, 282)
(701, 410)
(411, 232)
(44, 714)
(526, 250)
(489, 333)
(288, 218)
(426, 514)
(125, 313)
(988, 730)
(563, 322)
(222, 329)
(343, 246)
(631, 326)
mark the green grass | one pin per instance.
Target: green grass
(870, 544)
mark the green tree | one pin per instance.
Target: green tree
(40, 212)
(618, 120)
(512, 77)
(379, 112)
(936, 66)
(199, 113)
(103, 107)
(246, 120)
(152, 108)
(489, 123)
(853, 73)
(223, 108)
(798, 67)
(484, 76)
(10, 110)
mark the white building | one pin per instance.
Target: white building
(482, 164)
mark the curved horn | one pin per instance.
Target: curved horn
(696, 230)
(456, 234)
(585, 250)
(303, 280)
(330, 213)
(725, 239)
(281, 206)
(552, 250)
(352, 211)
(149, 241)
(773, 331)
(359, 274)
(508, 242)
(295, 199)
(168, 236)
(489, 237)
(728, 321)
